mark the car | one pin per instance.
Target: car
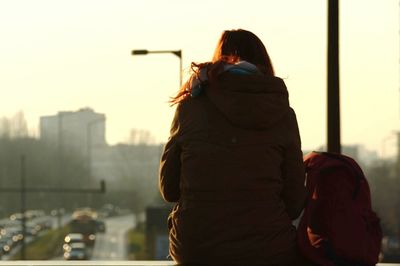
(72, 238)
(32, 229)
(6, 244)
(76, 251)
(14, 233)
(100, 226)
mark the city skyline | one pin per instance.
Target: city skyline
(139, 136)
(66, 55)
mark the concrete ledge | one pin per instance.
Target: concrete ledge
(109, 263)
(87, 263)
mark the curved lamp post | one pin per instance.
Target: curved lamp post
(89, 145)
(178, 53)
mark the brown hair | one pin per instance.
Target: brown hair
(232, 47)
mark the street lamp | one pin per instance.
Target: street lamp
(89, 147)
(89, 143)
(178, 53)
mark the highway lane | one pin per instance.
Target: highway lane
(48, 220)
(112, 245)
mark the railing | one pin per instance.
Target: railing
(88, 263)
(110, 263)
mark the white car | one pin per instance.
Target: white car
(76, 251)
(72, 238)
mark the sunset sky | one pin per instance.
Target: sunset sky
(68, 54)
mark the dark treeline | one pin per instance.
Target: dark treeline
(132, 183)
(131, 174)
(134, 179)
(130, 171)
(384, 180)
(44, 168)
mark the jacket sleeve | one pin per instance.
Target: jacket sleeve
(170, 165)
(294, 191)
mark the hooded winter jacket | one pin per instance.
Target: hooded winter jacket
(233, 164)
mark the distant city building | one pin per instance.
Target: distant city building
(80, 131)
(127, 161)
(358, 152)
(352, 151)
(127, 168)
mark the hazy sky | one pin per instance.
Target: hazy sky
(68, 54)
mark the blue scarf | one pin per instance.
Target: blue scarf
(199, 81)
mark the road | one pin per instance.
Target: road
(111, 245)
(53, 221)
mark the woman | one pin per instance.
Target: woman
(233, 162)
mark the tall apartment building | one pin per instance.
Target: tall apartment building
(79, 131)
(129, 170)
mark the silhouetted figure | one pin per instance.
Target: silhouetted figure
(233, 162)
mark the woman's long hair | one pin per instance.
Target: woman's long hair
(232, 47)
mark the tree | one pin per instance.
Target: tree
(14, 127)
(19, 127)
(42, 171)
(5, 128)
(384, 192)
(140, 137)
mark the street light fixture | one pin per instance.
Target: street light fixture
(89, 145)
(178, 53)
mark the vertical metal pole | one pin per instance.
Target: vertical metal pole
(89, 149)
(398, 182)
(398, 153)
(60, 143)
(333, 94)
(59, 218)
(89, 159)
(23, 208)
(60, 134)
(398, 146)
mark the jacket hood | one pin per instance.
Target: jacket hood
(250, 101)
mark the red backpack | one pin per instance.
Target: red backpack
(338, 226)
